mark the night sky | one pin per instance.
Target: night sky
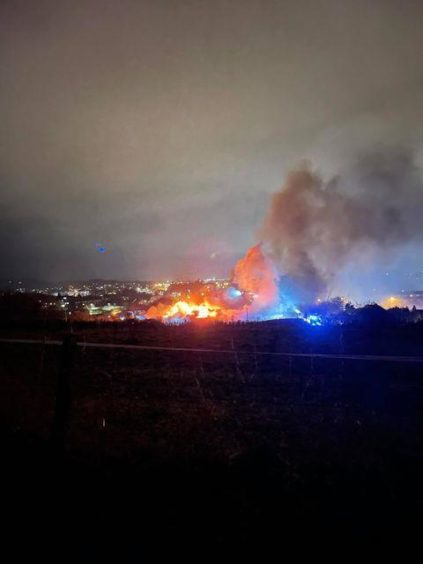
(143, 139)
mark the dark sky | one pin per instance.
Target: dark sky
(160, 128)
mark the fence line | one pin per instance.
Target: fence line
(365, 357)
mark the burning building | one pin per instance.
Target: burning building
(253, 290)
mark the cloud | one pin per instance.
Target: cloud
(166, 110)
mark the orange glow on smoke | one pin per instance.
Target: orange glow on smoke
(256, 274)
(393, 301)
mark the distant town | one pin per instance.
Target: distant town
(106, 299)
(116, 300)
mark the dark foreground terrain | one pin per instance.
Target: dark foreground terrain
(210, 455)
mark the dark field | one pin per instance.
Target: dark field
(212, 454)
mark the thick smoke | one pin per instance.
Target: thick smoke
(315, 228)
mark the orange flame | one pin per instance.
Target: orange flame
(182, 308)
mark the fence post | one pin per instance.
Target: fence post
(63, 393)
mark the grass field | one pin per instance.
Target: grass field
(212, 453)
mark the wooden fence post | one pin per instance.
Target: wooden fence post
(63, 393)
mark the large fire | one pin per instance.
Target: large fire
(181, 309)
(253, 289)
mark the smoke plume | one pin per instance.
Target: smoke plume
(314, 228)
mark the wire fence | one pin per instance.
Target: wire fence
(217, 396)
(364, 357)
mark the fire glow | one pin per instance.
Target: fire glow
(185, 309)
(253, 291)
